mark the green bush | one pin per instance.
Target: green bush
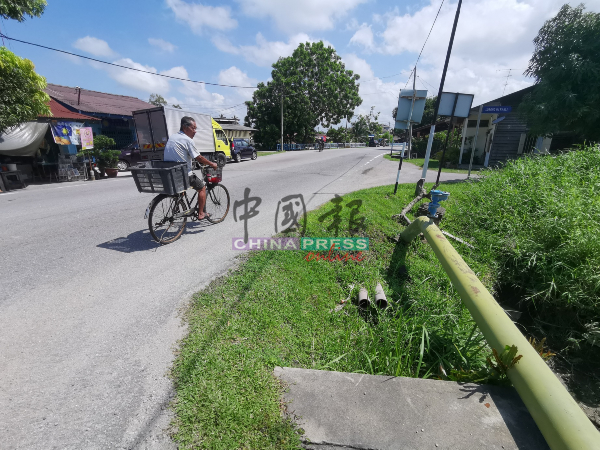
(537, 221)
(419, 145)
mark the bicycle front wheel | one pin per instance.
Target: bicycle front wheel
(165, 220)
(217, 203)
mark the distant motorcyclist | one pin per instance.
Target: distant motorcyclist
(321, 143)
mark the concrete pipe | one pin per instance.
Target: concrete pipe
(363, 298)
(380, 298)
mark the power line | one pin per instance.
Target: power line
(426, 39)
(124, 67)
(429, 34)
(507, 77)
(381, 78)
(423, 81)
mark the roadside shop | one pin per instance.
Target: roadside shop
(44, 150)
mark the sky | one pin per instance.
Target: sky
(236, 42)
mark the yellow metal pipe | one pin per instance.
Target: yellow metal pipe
(560, 419)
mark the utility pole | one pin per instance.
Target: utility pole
(437, 102)
(346, 134)
(412, 106)
(281, 122)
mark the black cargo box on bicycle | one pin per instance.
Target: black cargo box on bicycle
(161, 177)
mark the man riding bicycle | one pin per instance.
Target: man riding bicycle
(180, 148)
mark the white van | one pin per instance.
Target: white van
(153, 127)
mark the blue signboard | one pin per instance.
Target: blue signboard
(404, 107)
(496, 109)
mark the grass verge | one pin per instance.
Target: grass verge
(276, 310)
(268, 153)
(433, 164)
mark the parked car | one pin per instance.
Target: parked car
(130, 156)
(242, 148)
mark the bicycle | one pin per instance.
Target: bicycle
(167, 214)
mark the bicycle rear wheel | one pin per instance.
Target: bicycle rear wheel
(217, 203)
(165, 219)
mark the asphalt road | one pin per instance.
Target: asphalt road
(90, 305)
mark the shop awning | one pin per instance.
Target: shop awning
(23, 140)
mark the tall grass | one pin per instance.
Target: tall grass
(537, 222)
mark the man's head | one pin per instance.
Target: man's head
(188, 126)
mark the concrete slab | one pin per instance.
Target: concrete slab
(349, 410)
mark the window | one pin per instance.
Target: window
(482, 123)
(221, 136)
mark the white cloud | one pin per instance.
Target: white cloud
(373, 91)
(137, 80)
(162, 44)
(359, 66)
(299, 15)
(364, 37)
(492, 35)
(179, 72)
(265, 52)
(94, 46)
(235, 77)
(199, 16)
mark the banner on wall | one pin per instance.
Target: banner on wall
(87, 137)
(66, 133)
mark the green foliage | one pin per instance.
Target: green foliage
(102, 142)
(429, 110)
(364, 125)
(537, 222)
(504, 361)
(419, 145)
(109, 159)
(18, 9)
(453, 150)
(176, 106)
(102, 151)
(22, 96)
(157, 100)
(317, 89)
(565, 65)
(340, 134)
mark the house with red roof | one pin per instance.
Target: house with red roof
(115, 112)
(32, 143)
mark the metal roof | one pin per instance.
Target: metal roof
(234, 127)
(96, 102)
(59, 112)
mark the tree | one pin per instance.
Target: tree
(157, 100)
(565, 65)
(340, 134)
(18, 9)
(316, 89)
(176, 106)
(364, 125)
(22, 96)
